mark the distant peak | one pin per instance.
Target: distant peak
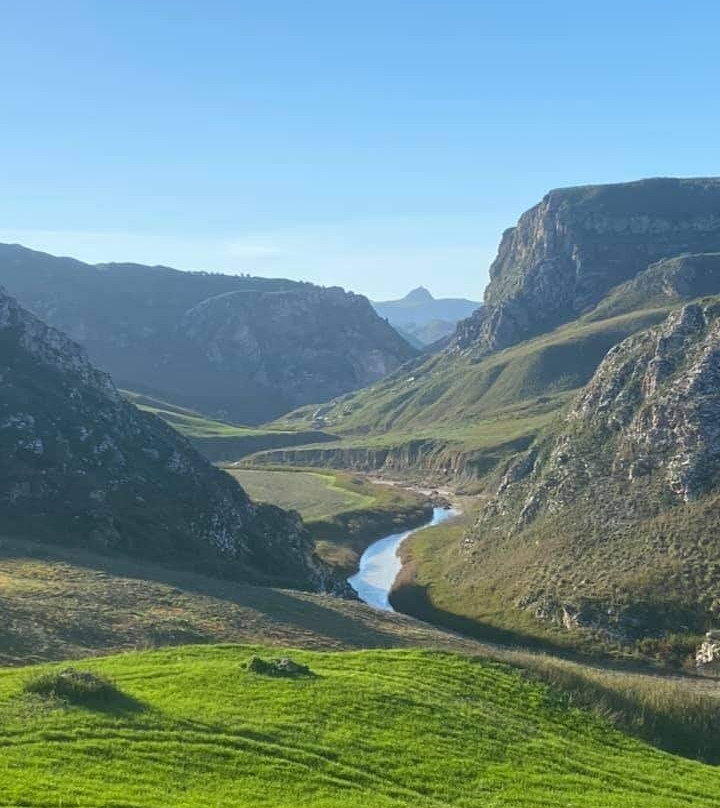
(419, 294)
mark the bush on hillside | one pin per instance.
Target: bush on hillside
(74, 686)
(283, 667)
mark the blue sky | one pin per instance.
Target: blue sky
(374, 145)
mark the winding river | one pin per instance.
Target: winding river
(380, 564)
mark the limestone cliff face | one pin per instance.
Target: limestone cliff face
(567, 252)
(81, 465)
(235, 347)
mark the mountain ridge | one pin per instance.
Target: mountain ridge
(234, 347)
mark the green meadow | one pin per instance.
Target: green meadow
(190, 727)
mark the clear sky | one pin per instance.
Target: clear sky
(377, 145)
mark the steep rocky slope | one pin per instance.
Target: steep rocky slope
(235, 347)
(610, 521)
(80, 465)
(567, 252)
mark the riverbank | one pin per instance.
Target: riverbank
(381, 563)
(345, 512)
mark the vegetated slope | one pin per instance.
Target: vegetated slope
(220, 441)
(238, 348)
(194, 727)
(81, 465)
(456, 417)
(607, 526)
(423, 317)
(63, 602)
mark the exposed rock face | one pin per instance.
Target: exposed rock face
(707, 658)
(651, 409)
(239, 348)
(626, 485)
(81, 465)
(567, 252)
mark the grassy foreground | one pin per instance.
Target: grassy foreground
(345, 512)
(191, 727)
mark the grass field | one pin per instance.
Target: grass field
(190, 727)
(344, 512)
(62, 604)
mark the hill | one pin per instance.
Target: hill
(237, 348)
(424, 318)
(612, 510)
(80, 465)
(602, 532)
(196, 727)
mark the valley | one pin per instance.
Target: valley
(359, 405)
(176, 546)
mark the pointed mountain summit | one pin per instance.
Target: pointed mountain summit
(419, 295)
(422, 318)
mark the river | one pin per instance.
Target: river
(380, 564)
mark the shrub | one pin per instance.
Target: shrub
(74, 686)
(277, 667)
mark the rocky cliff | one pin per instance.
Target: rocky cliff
(567, 252)
(81, 465)
(239, 348)
(615, 510)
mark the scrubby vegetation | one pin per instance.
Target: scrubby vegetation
(392, 728)
(283, 667)
(73, 685)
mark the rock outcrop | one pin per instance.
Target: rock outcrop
(234, 347)
(571, 249)
(80, 465)
(616, 504)
(707, 658)
(652, 410)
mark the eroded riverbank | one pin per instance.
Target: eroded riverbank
(381, 562)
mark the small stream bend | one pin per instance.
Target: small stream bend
(380, 564)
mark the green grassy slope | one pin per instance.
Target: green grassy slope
(71, 604)
(391, 728)
(217, 440)
(457, 416)
(344, 512)
(459, 389)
